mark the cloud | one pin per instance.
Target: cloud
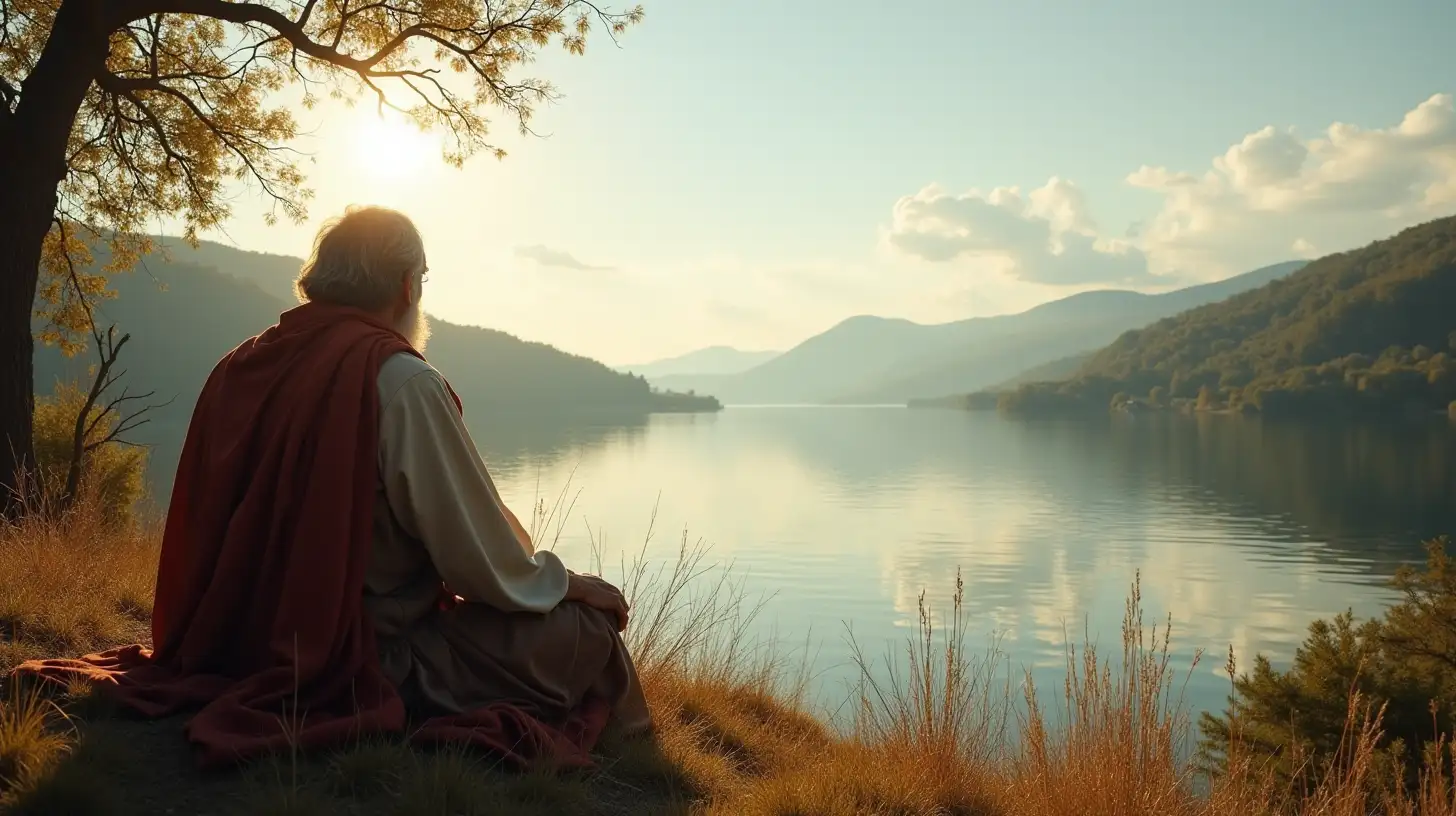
(1274, 194)
(1269, 197)
(546, 256)
(1046, 236)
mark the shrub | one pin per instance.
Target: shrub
(1403, 665)
(113, 469)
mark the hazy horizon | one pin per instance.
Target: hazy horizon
(693, 351)
(685, 197)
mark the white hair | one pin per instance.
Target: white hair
(361, 258)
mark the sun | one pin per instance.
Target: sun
(390, 147)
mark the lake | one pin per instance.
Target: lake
(1242, 531)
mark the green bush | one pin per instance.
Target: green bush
(1402, 666)
(111, 472)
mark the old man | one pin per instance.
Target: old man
(337, 560)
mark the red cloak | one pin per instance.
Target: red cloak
(258, 621)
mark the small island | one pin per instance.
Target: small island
(691, 402)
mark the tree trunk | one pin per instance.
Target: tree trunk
(32, 165)
(16, 348)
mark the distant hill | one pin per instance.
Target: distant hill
(1055, 371)
(991, 353)
(822, 366)
(273, 274)
(883, 360)
(986, 400)
(184, 314)
(1370, 330)
(710, 361)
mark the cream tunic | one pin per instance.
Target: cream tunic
(438, 518)
(435, 491)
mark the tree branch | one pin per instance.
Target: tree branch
(160, 132)
(248, 14)
(127, 87)
(126, 422)
(307, 10)
(252, 13)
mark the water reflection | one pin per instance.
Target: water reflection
(1241, 532)
(512, 445)
(1367, 490)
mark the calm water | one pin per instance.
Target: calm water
(1244, 532)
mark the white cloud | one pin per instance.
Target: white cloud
(546, 256)
(1274, 194)
(1264, 159)
(1047, 236)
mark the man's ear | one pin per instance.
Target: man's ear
(407, 291)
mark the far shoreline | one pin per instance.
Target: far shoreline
(752, 405)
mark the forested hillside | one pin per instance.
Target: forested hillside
(183, 316)
(1368, 331)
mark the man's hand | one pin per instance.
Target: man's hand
(598, 594)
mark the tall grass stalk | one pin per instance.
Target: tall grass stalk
(934, 697)
(1121, 737)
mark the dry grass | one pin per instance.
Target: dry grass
(73, 583)
(29, 742)
(936, 730)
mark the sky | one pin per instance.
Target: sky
(750, 173)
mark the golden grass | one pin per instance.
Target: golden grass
(29, 742)
(73, 583)
(935, 729)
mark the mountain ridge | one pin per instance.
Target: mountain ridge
(710, 361)
(871, 359)
(1088, 320)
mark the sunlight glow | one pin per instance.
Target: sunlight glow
(391, 148)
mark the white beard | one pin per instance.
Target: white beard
(415, 326)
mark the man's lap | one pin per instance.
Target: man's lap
(471, 655)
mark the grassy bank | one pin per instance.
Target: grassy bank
(935, 735)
